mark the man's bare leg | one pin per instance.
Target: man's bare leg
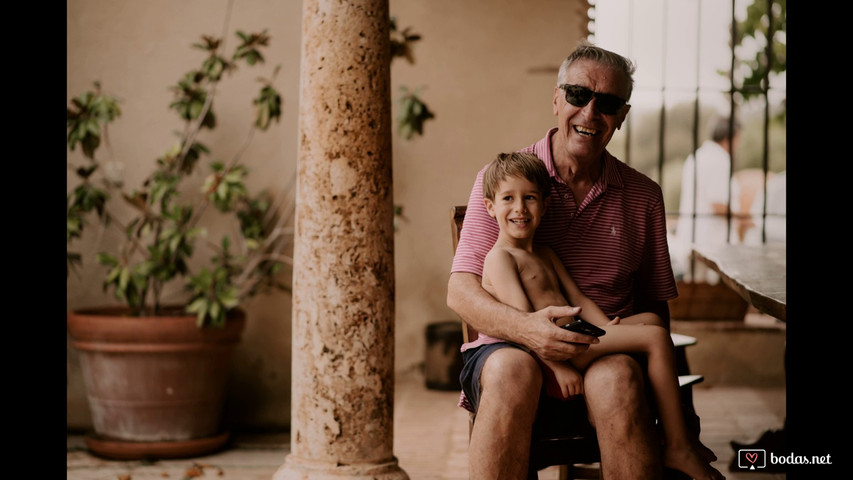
(618, 408)
(500, 440)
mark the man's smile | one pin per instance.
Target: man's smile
(587, 132)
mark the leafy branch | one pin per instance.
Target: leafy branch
(413, 111)
(757, 28)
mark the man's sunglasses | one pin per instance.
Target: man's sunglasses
(580, 96)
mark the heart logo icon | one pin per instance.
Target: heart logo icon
(752, 457)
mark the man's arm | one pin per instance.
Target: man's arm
(535, 330)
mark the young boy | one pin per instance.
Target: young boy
(530, 277)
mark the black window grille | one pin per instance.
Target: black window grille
(699, 60)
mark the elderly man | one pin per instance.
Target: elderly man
(606, 223)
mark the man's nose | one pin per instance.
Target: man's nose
(591, 108)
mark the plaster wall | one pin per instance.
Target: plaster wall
(486, 68)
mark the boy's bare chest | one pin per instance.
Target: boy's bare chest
(538, 278)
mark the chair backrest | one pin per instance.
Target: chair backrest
(457, 218)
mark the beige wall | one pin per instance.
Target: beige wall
(481, 65)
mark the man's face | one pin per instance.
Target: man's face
(584, 132)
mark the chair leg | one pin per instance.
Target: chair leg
(565, 470)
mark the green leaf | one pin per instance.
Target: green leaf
(215, 310)
(124, 278)
(195, 109)
(106, 259)
(113, 274)
(174, 243)
(198, 305)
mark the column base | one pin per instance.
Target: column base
(302, 469)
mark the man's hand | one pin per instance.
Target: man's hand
(540, 334)
(535, 331)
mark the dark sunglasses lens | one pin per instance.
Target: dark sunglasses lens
(608, 104)
(578, 96)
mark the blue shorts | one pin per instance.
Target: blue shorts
(563, 416)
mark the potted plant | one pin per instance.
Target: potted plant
(155, 372)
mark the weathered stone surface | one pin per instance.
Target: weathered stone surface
(343, 297)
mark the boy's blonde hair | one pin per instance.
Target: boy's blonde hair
(516, 164)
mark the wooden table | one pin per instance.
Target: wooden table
(757, 272)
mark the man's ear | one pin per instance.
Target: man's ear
(556, 101)
(490, 207)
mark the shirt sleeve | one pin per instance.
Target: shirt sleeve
(478, 235)
(655, 280)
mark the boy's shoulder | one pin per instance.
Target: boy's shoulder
(498, 251)
(515, 254)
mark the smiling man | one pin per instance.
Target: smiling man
(606, 223)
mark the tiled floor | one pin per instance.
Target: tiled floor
(431, 438)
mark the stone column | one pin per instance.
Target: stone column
(343, 280)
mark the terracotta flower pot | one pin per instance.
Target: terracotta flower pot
(153, 382)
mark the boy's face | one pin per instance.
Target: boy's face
(518, 207)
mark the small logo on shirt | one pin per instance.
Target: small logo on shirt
(613, 231)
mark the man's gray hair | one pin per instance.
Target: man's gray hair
(588, 51)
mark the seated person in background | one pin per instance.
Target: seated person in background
(530, 277)
(709, 169)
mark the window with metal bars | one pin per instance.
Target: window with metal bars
(700, 62)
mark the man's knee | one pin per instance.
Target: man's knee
(617, 402)
(614, 381)
(510, 372)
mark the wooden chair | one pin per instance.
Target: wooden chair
(577, 454)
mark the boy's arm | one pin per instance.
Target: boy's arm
(589, 310)
(500, 276)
